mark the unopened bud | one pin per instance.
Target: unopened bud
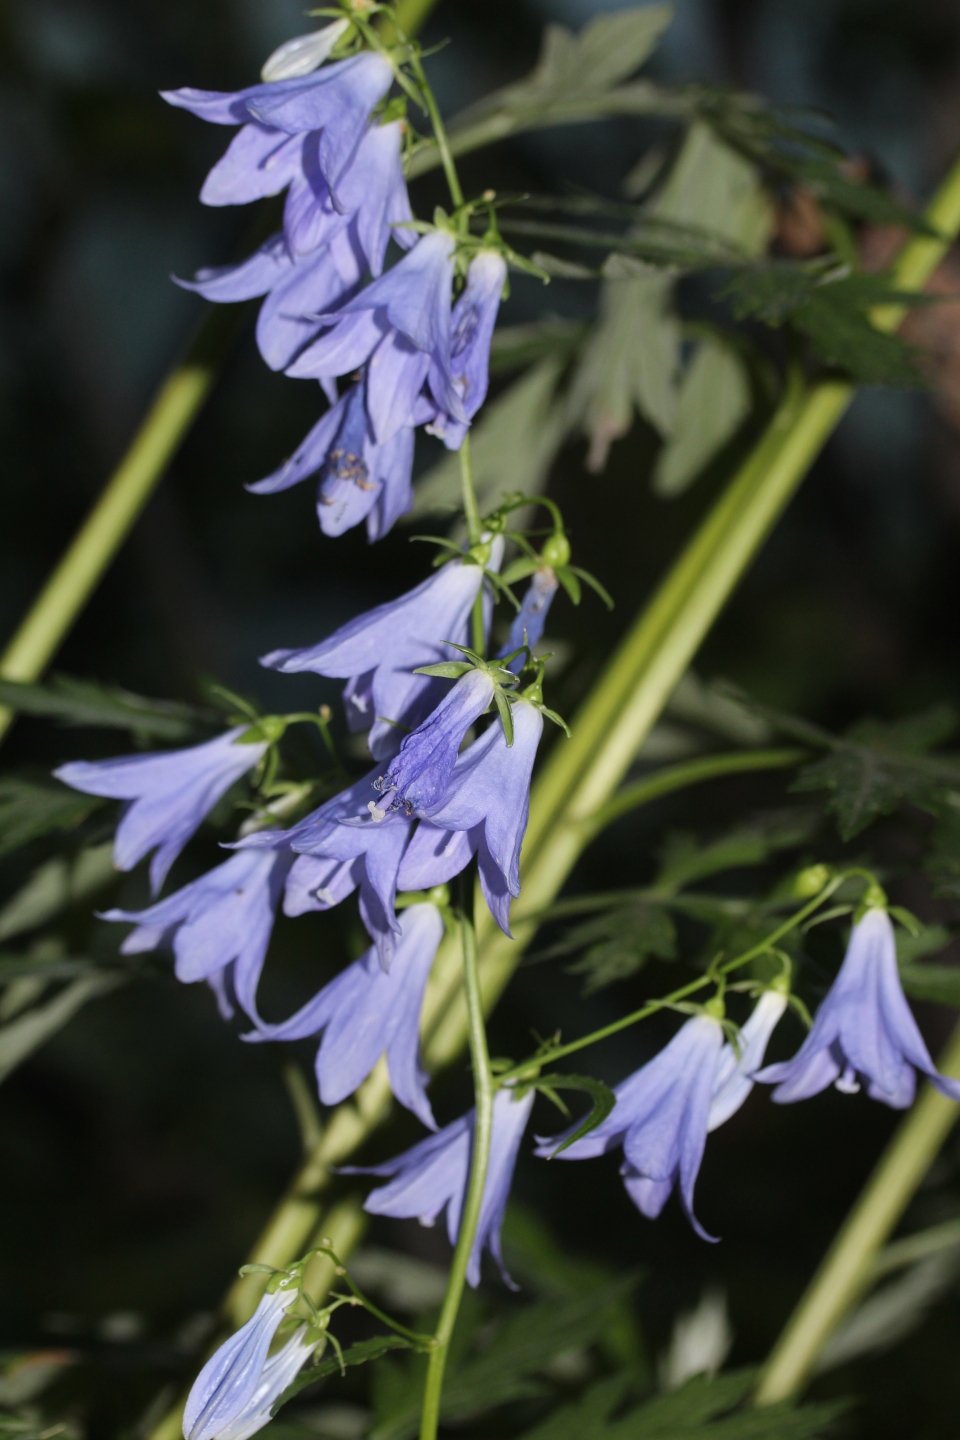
(439, 895)
(489, 195)
(556, 552)
(304, 53)
(811, 881)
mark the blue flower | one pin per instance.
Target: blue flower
(434, 1175)
(419, 774)
(265, 156)
(359, 479)
(864, 1028)
(471, 327)
(660, 1119)
(379, 651)
(171, 793)
(488, 794)
(235, 1391)
(319, 259)
(528, 623)
(218, 926)
(398, 326)
(366, 1012)
(736, 1073)
(358, 847)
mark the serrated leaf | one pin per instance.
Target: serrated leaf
(684, 860)
(83, 702)
(620, 943)
(603, 1102)
(713, 186)
(687, 1408)
(630, 361)
(865, 783)
(586, 1415)
(832, 309)
(513, 443)
(358, 1354)
(713, 401)
(31, 808)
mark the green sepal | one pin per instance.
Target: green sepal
(520, 569)
(446, 669)
(593, 582)
(506, 716)
(570, 583)
(603, 1102)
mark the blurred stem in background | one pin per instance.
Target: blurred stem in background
(176, 406)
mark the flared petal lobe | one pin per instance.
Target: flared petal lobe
(434, 1175)
(367, 1012)
(864, 1028)
(418, 777)
(218, 926)
(386, 646)
(170, 793)
(661, 1119)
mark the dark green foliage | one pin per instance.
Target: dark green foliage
(602, 1096)
(507, 1368)
(875, 767)
(332, 1363)
(82, 702)
(619, 943)
(831, 307)
(685, 1414)
(30, 808)
(939, 983)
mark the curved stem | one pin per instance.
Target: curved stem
(847, 1268)
(439, 134)
(690, 772)
(483, 1088)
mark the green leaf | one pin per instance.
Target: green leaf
(21, 1037)
(938, 983)
(875, 767)
(357, 1354)
(82, 702)
(576, 78)
(684, 860)
(586, 1415)
(514, 347)
(31, 808)
(603, 1102)
(620, 942)
(713, 402)
(711, 184)
(927, 941)
(832, 309)
(514, 444)
(630, 361)
(55, 885)
(687, 1408)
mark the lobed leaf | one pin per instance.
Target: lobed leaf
(83, 702)
(31, 808)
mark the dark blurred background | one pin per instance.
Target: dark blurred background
(143, 1147)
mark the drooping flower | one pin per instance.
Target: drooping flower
(359, 479)
(488, 794)
(528, 623)
(398, 326)
(418, 776)
(350, 847)
(218, 926)
(170, 793)
(665, 1110)
(303, 54)
(319, 259)
(234, 1393)
(379, 651)
(434, 1175)
(864, 1028)
(471, 330)
(736, 1073)
(265, 155)
(367, 1012)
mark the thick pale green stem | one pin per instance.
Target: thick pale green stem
(111, 519)
(90, 554)
(483, 1090)
(847, 1268)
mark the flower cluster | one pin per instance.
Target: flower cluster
(330, 311)
(453, 735)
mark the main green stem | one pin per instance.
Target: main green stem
(483, 1089)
